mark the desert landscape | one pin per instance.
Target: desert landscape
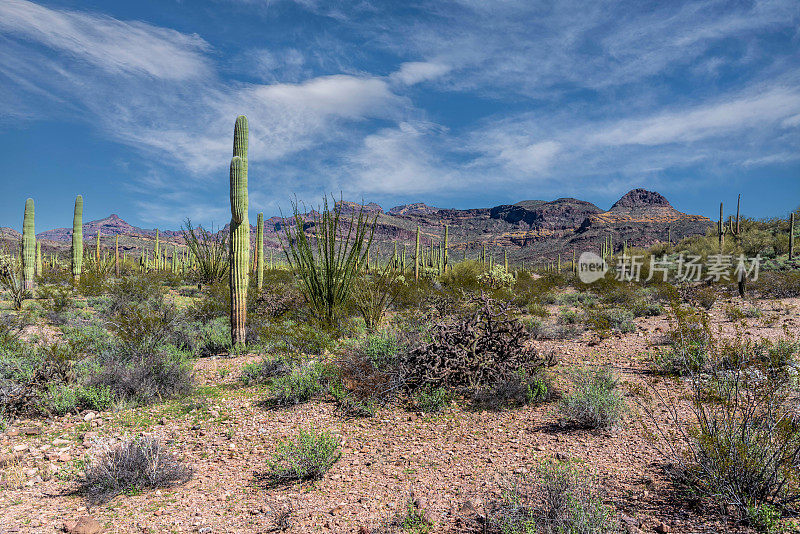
(369, 267)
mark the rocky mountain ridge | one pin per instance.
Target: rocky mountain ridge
(528, 230)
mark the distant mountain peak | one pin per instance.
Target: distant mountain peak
(641, 198)
(416, 208)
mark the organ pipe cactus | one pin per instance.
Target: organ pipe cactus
(260, 251)
(77, 239)
(239, 232)
(28, 246)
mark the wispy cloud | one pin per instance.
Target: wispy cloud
(113, 45)
(433, 99)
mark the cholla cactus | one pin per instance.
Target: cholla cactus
(77, 239)
(239, 232)
(28, 246)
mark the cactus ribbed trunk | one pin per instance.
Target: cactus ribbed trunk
(116, 256)
(791, 236)
(260, 251)
(416, 258)
(721, 229)
(38, 258)
(97, 250)
(240, 233)
(77, 239)
(28, 246)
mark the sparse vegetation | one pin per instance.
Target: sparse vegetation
(307, 456)
(135, 464)
(595, 401)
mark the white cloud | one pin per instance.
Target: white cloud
(113, 45)
(684, 126)
(419, 71)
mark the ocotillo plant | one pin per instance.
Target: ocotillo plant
(721, 229)
(260, 251)
(77, 239)
(28, 246)
(239, 232)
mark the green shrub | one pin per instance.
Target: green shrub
(430, 400)
(60, 399)
(414, 520)
(263, 371)
(463, 276)
(595, 401)
(555, 499)
(94, 398)
(143, 377)
(568, 316)
(517, 390)
(299, 386)
(497, 278)
(743, 442)
(680, 360)
(613, 320)
(308, 456)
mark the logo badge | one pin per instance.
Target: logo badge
(591, 267)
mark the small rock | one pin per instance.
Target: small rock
(64, 457)
(467, 508)
(83, 525)
(58, 442)
(20, 448)
(662, 528)
(32, 431)
(204, 530)
(89, 416)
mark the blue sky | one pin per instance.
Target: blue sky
(457, 103)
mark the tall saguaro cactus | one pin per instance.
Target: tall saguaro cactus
(260, 251)
(28, 246)
(734, 230)
(38, 258)
(77, 239)
(791, 236)
(240, 232)
(721, 229)
(416, 258)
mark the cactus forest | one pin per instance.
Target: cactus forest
(327, 272)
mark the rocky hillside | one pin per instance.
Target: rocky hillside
(530, 230)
